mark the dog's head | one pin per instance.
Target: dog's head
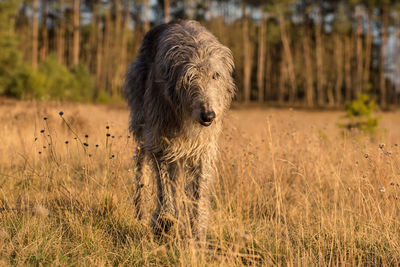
(199, 80)
(208, 88)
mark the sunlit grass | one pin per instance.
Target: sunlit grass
(290, 190)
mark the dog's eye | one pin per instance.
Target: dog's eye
(216, 75)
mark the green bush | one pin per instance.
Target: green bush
(10, 56)
(59, 80)
(52, 80)
(25, 83)
(85, 82)
(103, 97)
(63, 84)
(359, 115)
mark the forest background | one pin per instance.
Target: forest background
(304, 53)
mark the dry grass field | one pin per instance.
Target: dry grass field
(291, 190)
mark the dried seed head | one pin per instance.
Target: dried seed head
(66, 142)
(97, 145)
(381, 145)
(42, 131)
(60, 113)
(85, 144)
(44, 118)
(364, 176)
(108, 135)
(86, 135)
(366, 155)
(41, 211)
(392, 183)
(107, 127)
(382, 189)
(388, 152)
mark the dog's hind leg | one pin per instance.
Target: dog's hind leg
(142, 197)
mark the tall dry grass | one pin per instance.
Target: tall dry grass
(291, 190)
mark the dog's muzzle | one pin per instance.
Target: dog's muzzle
(206, 118)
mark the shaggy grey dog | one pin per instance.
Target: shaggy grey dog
(178, 90)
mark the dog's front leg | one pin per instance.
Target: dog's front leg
(201, 194)
(165, 214)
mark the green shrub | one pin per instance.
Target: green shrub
(359, 115)
(63, 84)
(25, 83)
(10, 55)
(52, 80)
(85, 83)
(105, 98)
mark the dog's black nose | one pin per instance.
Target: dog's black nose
(207, 117)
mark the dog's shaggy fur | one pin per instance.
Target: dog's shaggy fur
(178, 90)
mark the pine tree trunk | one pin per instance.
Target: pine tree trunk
(122, 51)
(92, 37)
(35, 33)
(190, 8)
(116, 47)
(246, 56)
(124, 43)
(397, 65)
(339, 68)
(268, 79)
(45, 40)
(382, 78)
(107, 52)
(289, 59)
(368, 55)
(61, 35)
(393, 72)
(309, 73)
(320, 62)
(99, 59)
(146, 26)
(347, 68)
(359, 49)
(261, 59)
(282, 80)
(166, 11)
(76, 35)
